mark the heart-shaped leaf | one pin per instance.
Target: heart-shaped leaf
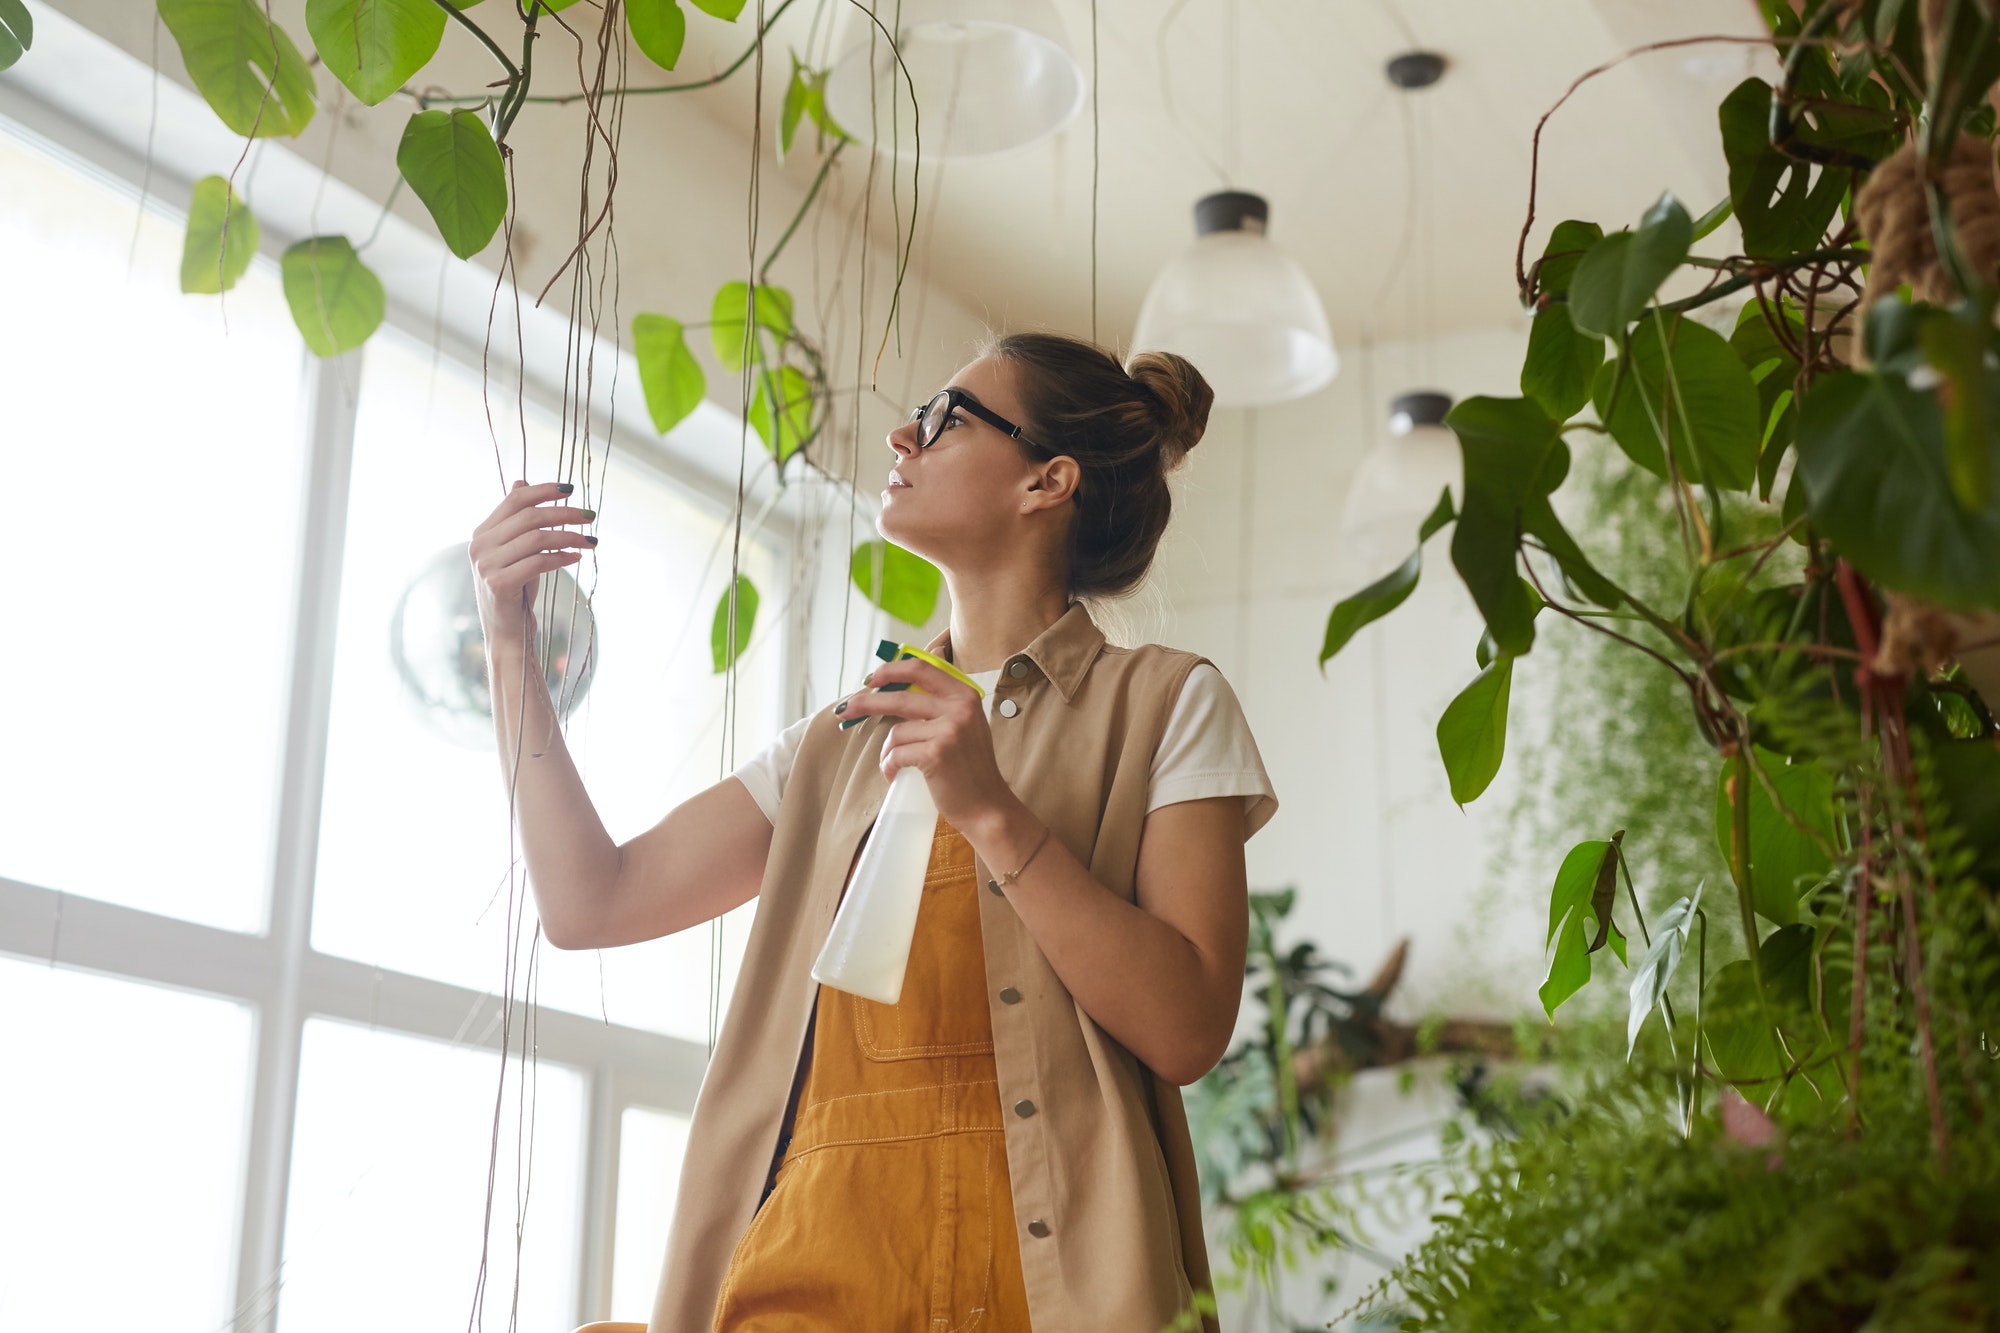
(244, 66)
(17, 31)
(1619, 275)
(1785, 860)
(732, 309)
(375, 46)
(1568, 243)
(336, 300)
(1513, 457)
(1877, 482)
(1682, 379)
(723, 648)
(659, 29)
(1472, 733)
(1574, 923)
(668, 373)
(781, 411)
(903, 584)
(1561, 363)
(1387, 593)
(221, 238)
(450, 160)
(726, 10)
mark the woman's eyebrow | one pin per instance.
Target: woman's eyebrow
(970, 396)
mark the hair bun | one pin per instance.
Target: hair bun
(1184, 398)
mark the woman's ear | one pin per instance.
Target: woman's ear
(1055, 482)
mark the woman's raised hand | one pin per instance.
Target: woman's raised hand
(521, 540)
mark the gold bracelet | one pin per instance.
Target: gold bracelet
(999, 885)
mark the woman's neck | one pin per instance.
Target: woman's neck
(996, 616)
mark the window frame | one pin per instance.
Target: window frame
(277, 973)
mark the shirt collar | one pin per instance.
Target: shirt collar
(1064, 651)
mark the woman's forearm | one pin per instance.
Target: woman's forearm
(1138, 978)
(572, 862)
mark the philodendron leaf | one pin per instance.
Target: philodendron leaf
(1779, 205)
(336, 300)
(1616, 280)
(1472, 733)
(1387, 593)
(450, 160)
(1957, 345)
(1785, 860)
(722, 647)
(1561, 363)
(668, 373)
(1656, 969)
(17, 31)
(731, 309)
(218, 249)
(904, 585)
(659, 29)
(1514, 457)
(726, 10)
(781, 411)
(1573, 923)
(1877, 483)
(374, 46)
(244, 66)
(1683, 379)
(1568, 244)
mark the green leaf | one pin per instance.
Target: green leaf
(1561, 363)
(1574, 922)
(1387, 593)
(374, 46)
(1784, 859)
(17, 31)
(242, 64)
(726, 10)
(1968, 778)
(781, 411)
(796, 94)
(1736, 1026)
(1780, 208)
(722, 650)
(659, 28)
(1957, 345)
(1513, 456)
(668, 373)
(336, 301)
(1568, 244)
(1619, 275)
(1472, 733)
(731, 309)
(1656, 969)
(1713, 218)
(450, 160)
(1685, 380)
(1872, 461)
(904, 585)
(216, 253)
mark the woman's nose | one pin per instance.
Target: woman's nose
(903, 440)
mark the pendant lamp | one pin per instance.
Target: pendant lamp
(990, 76)
(1398, 482)
(1240, 309)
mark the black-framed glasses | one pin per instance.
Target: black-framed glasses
(930, 418)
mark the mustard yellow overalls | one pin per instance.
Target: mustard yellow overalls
(891, 1209)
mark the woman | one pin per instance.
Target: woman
(1005, 1147)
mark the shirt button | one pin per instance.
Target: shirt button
(1038, 1228)
(1008, 708)
(1018, 670)
(1024, 1108)
(1010, 996)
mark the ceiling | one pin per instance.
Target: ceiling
(1405, 208)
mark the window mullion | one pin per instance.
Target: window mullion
(332, 389)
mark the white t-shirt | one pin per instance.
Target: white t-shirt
(1207, 751)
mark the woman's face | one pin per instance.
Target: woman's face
(972, 486)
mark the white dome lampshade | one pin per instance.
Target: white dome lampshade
(1240, 308)
(1397, 484)
(990, 75)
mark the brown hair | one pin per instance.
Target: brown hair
(1127, 427)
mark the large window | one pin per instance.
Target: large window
(254, 890)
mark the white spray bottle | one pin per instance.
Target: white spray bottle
(869, 947)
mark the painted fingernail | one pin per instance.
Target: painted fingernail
(565, 487)
(589, 514)
(868, 679)
(591, 540)
(840, 707)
